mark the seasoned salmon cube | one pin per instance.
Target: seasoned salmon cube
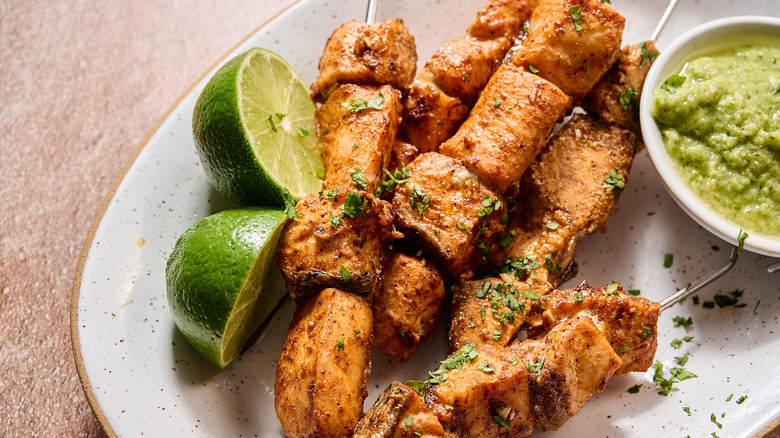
(509, 124)
(430, 116)
(399, 412)
(569, 190)
(407, 306)
(336, 240)
(565, 368)
(481, 392)
(501, 19)
(628, 322)
(356, 130)
(462, 67)
(492, 310)
(615, 98)
(366, 54)
(452, 213)
(321, 378)
(571, 43)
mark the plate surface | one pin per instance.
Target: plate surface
(143, 379)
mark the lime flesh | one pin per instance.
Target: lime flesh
(254, 131)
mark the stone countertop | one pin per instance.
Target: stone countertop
(81, 84)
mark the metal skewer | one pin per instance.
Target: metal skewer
(701, 281)
(664, 18)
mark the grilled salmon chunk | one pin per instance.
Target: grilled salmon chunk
(356, 131)
(565, 368)
(399, 412)
(321, 378)
(430, 116)
(462, 67)
(481, 392)
(406, 307)
(615, 98)
(629, 323)
(508, 126)
(453, 214)
(501, 19)
(337, 240)
(366, 54)
(571, 43)
(569, 190)
(492, 310)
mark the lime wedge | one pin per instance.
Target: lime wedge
(254, 131)
(217, 279)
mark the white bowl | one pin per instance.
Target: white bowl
(705, 38)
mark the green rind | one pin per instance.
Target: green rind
(208, 268)
(223, 147)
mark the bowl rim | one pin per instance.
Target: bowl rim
(696, 41)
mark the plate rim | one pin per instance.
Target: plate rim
(106, 201)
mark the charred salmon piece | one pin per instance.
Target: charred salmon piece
(570, 190)
(509, 124)
(399, 412)
(481, 392)
(336, 240)
(366, 54)
(407, 305)
(571, 43)
(501, 19)
(629, 323)
(492, 311)
(357, 130)
(430, 116)
(615, 98)
(452, 213)
(462, 67)
(571, 362)
(321, 378)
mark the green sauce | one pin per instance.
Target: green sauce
(721, 127)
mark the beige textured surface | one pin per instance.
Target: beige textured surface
(81, 84)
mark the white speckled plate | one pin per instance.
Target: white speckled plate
(142, 378)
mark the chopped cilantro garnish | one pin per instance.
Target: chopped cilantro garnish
(728, 399)
(501, 422)
(302, 132)
(417, 385)
(612, 289)
(409, 420)
(399, 176)
(679, 321)
(668, 260)
(332, 193)
(741, 399)
(687, 410)
(741, 240)
(354, 204)
(340, 344)
(320, 174)
(533, 69)
(576, 16)
(714, 419)
(635, 389)
(496, 102)
(460, 226)
(622, 350)
(271, 122)
(359, 178)
(579, 298)
(615, 182)
(531, 294)
(645, 55)
(358, 105)
(628, 98)
(634, 292)
(646, 331)
(346, 274)
(335, 221)
(673, 82)
(419, 200)
(536, 367)
(676, 343)
(681, 360)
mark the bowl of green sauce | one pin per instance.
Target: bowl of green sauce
(710, 116)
